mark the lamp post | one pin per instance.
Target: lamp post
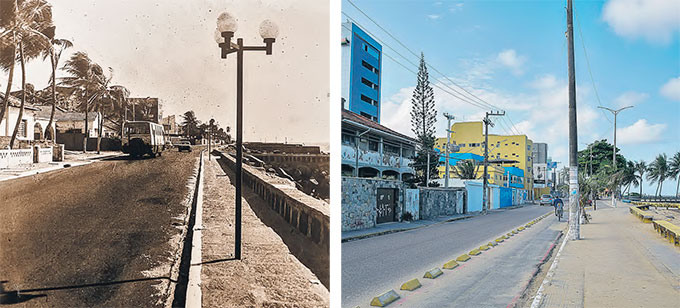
(615, 113)
(226, 26)
(210, 135)
(448, 142)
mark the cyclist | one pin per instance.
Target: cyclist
(559, 206)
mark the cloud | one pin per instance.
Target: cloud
(671, 89)
(640, 132)
(653, 20)
(630, 98)
(510, 59)
(456, 7)
(434, 16)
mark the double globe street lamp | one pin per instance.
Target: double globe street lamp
(226, 26)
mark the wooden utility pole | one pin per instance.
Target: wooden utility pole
(487, 122)
(574, 209)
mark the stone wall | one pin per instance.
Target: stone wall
(435, 202)
(282, 148)
(308, 215)
(359, 201)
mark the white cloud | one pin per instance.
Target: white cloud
(671, 89)
(510, 59)
(434, 16)
(630, 98)
(456, 7)
(654, 20)
(640, 132)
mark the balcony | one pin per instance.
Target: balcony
(373, 158)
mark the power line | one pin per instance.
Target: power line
(458, 95)
(592, 80)
(490, 106)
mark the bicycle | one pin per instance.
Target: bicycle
(559, 210)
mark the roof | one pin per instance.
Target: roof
(15, 102)
(348, 116)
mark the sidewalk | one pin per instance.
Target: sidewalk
(619, 262)
(71, 158)
(268, 274)
(392, 227)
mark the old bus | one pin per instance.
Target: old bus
(142, 137)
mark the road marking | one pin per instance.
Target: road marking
(193, 297)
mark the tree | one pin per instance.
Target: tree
(423, 118)
(54, 51)
(89, 82)
(674, 171)
(602, 155)
(190, 124)
(628, 177)
(658, 172)
(466, 169)
(640, 169)
(28, 23)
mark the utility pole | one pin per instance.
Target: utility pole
(487, 122)
(615, 112)
(448, 142)
(574, 208)
(427, 170)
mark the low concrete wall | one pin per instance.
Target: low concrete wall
(308, 215)
(435, 202)
(282, 148)
(360, 198)
(13, 158)
(42, 155)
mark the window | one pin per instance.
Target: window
(138, 128)
(22, 128)
(373, 145)
(368, 116)
(371, 51)
(347, 139)
(390, 149)
(369, 84)
(369, 67)
(369, 100)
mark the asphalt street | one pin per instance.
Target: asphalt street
(374, 265)
(94, 235)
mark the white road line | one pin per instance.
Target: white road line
(193, 297)
(551, 271)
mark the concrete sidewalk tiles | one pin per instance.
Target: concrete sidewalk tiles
(267, 275)
(618, 262)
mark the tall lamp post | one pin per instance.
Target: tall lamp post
(615, 113)
(448, 142)
(226, 26)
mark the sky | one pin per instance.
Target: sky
(513, 55)
(167, 49)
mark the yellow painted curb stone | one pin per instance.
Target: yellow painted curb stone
(500, 240)
(433, 273)
(463, 258)
(451, 264)
(491, 244)
(483, 247)
(411, 285)
(385, 299)
(474, 252)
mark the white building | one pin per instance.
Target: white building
(33, 123)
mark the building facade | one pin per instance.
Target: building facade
(370, 150)
(361, 71)
(469, 136)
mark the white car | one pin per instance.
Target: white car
(547, 200)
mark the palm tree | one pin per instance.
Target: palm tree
(640, 168)
(54, 51)
(29, 23)
(190, 123)
(120, 95)
(658, 172)
(88, 80)
(628, 177)
(466, 169)
(674, 171)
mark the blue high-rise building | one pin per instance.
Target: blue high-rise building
(361, 65)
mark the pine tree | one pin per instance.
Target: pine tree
(423, 118)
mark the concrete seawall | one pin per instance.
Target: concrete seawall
(308, 215)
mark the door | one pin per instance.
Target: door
(385, 207)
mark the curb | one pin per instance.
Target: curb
(433, 273)
(385, 299)
(411, 285)
(193, 295)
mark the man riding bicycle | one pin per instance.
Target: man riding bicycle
(559, 207)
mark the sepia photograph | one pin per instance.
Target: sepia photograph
(164, 153)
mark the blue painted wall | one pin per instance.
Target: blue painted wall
(474, 196)
(361, 41)
(505, 197)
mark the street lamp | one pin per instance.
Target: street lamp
(615, 113)
(226, 26)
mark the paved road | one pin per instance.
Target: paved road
(372, 266)
(94, 235)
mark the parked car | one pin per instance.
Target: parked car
(183, 146)
(547, 200)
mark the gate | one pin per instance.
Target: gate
(385, 207)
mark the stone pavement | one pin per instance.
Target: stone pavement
(619, 262)
(392, 227)
(268, 274)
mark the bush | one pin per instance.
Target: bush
(407, 216)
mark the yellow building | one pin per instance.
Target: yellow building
(470, 137)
